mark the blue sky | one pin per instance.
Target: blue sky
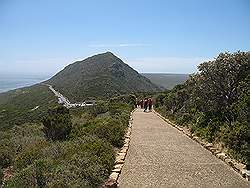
(150, 35)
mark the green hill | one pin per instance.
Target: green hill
(100, 76)
(23, 105)
(166, 81)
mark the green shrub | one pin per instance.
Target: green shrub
(7, 153)
(80, 155)
(23, 179)
(236, 137)
(28, 156)
(77, 163)
(1, 176)
(57, 125)
(109, 129)
(17, 140)
(183, 118)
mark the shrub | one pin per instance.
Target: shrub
(236, 137)
(22, 179)
(7, 153)
(183, 118)
(57, 125)
(17, 140)
(109, 129)
(28, 156)
(1, 176)
(77, 163)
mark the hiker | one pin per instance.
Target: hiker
(138, 104)
(145, 104)
(150, 103)
(141, 104)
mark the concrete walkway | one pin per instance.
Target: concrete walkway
(161, 156)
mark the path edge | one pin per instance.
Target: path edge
(236, 166)
(112, 181)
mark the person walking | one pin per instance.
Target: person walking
(141, 104)
(145, 104)
(150, 103)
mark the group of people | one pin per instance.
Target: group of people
(145, 104)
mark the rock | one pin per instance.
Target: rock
(209, 145)
(246, 174)
(119, 161)
(114, 176)
(126, 141)
(127, 135)
(122, 156)
(213, 149)
(221, 156)
(203, 143)
(119, 166)
(179, 128)
(195, 138)
(126, 145)
(216, 152)
(118, 170)
(111, 183)
(124, 150)
(229, 162)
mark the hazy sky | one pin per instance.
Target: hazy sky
(150, 35)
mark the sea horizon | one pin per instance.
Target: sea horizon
(11, 81)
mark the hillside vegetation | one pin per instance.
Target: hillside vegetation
(100, 76)
(215, 103)
(70, 148)
(25, 105)
(166, 81)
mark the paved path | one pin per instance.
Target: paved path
(161, 156)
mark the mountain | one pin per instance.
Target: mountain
(166, 81)
(100, 76)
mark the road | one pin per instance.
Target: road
(63, 100)
(161, 156)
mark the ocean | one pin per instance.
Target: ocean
(14, 81)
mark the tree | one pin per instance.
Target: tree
(216, 102)
(221, 81)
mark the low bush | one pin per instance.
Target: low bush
(28, 156)
(62, 154)
(82, 163)
(109, 129)
(57, 125)
(1, 176)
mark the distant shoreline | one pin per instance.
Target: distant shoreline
(14, 81)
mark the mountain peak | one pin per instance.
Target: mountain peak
(108, 53)
(102, 75)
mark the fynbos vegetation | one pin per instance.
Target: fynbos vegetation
(69, 148)
(214, 103)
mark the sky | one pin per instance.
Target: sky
(160, 36)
